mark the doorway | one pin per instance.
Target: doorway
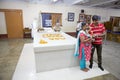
(14, 23)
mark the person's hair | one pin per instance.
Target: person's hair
(95, 18)
(83, 24)
(82, 10)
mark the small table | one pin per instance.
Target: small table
(27, 33)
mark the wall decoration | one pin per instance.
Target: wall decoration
(50, 19)
(82, 17)
(88, 19)
(71, 16)
(46, 20)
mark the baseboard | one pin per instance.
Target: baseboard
(71, 33)
(3, 36)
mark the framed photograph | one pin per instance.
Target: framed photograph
(88, 19)
(71, 16)
(46, 20)
(82, 17)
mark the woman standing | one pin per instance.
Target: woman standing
(83, 47)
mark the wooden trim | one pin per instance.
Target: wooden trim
(50, 13)
(71, 33)
(3, 36)
(8, 10)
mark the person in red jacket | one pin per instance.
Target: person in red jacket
(98, 31)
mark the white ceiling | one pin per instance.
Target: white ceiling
(114, 4)
(68, 2)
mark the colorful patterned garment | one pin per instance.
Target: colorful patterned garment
(86, 46)
(96, 30)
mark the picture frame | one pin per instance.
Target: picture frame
(88, 19)
(82, 17)
(46, 20)
(71, 16)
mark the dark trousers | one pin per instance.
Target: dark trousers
(98, 47)
(77, 33)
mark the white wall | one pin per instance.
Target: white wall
(31, 11)
(3, 29)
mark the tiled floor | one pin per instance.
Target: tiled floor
(111, 57)
(10, 50)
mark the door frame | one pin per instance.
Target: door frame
(10, 10)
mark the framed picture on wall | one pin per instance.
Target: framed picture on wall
(71, 16)
(81, 17)
(46, 20)
(88, 19)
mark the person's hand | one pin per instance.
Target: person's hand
(93, 40)
(95, 35)
(89, 39)
(100, 35)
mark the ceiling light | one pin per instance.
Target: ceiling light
(54, 0)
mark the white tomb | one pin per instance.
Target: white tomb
(55, 53)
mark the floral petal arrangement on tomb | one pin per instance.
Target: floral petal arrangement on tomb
(43, 41)
(53, 36)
